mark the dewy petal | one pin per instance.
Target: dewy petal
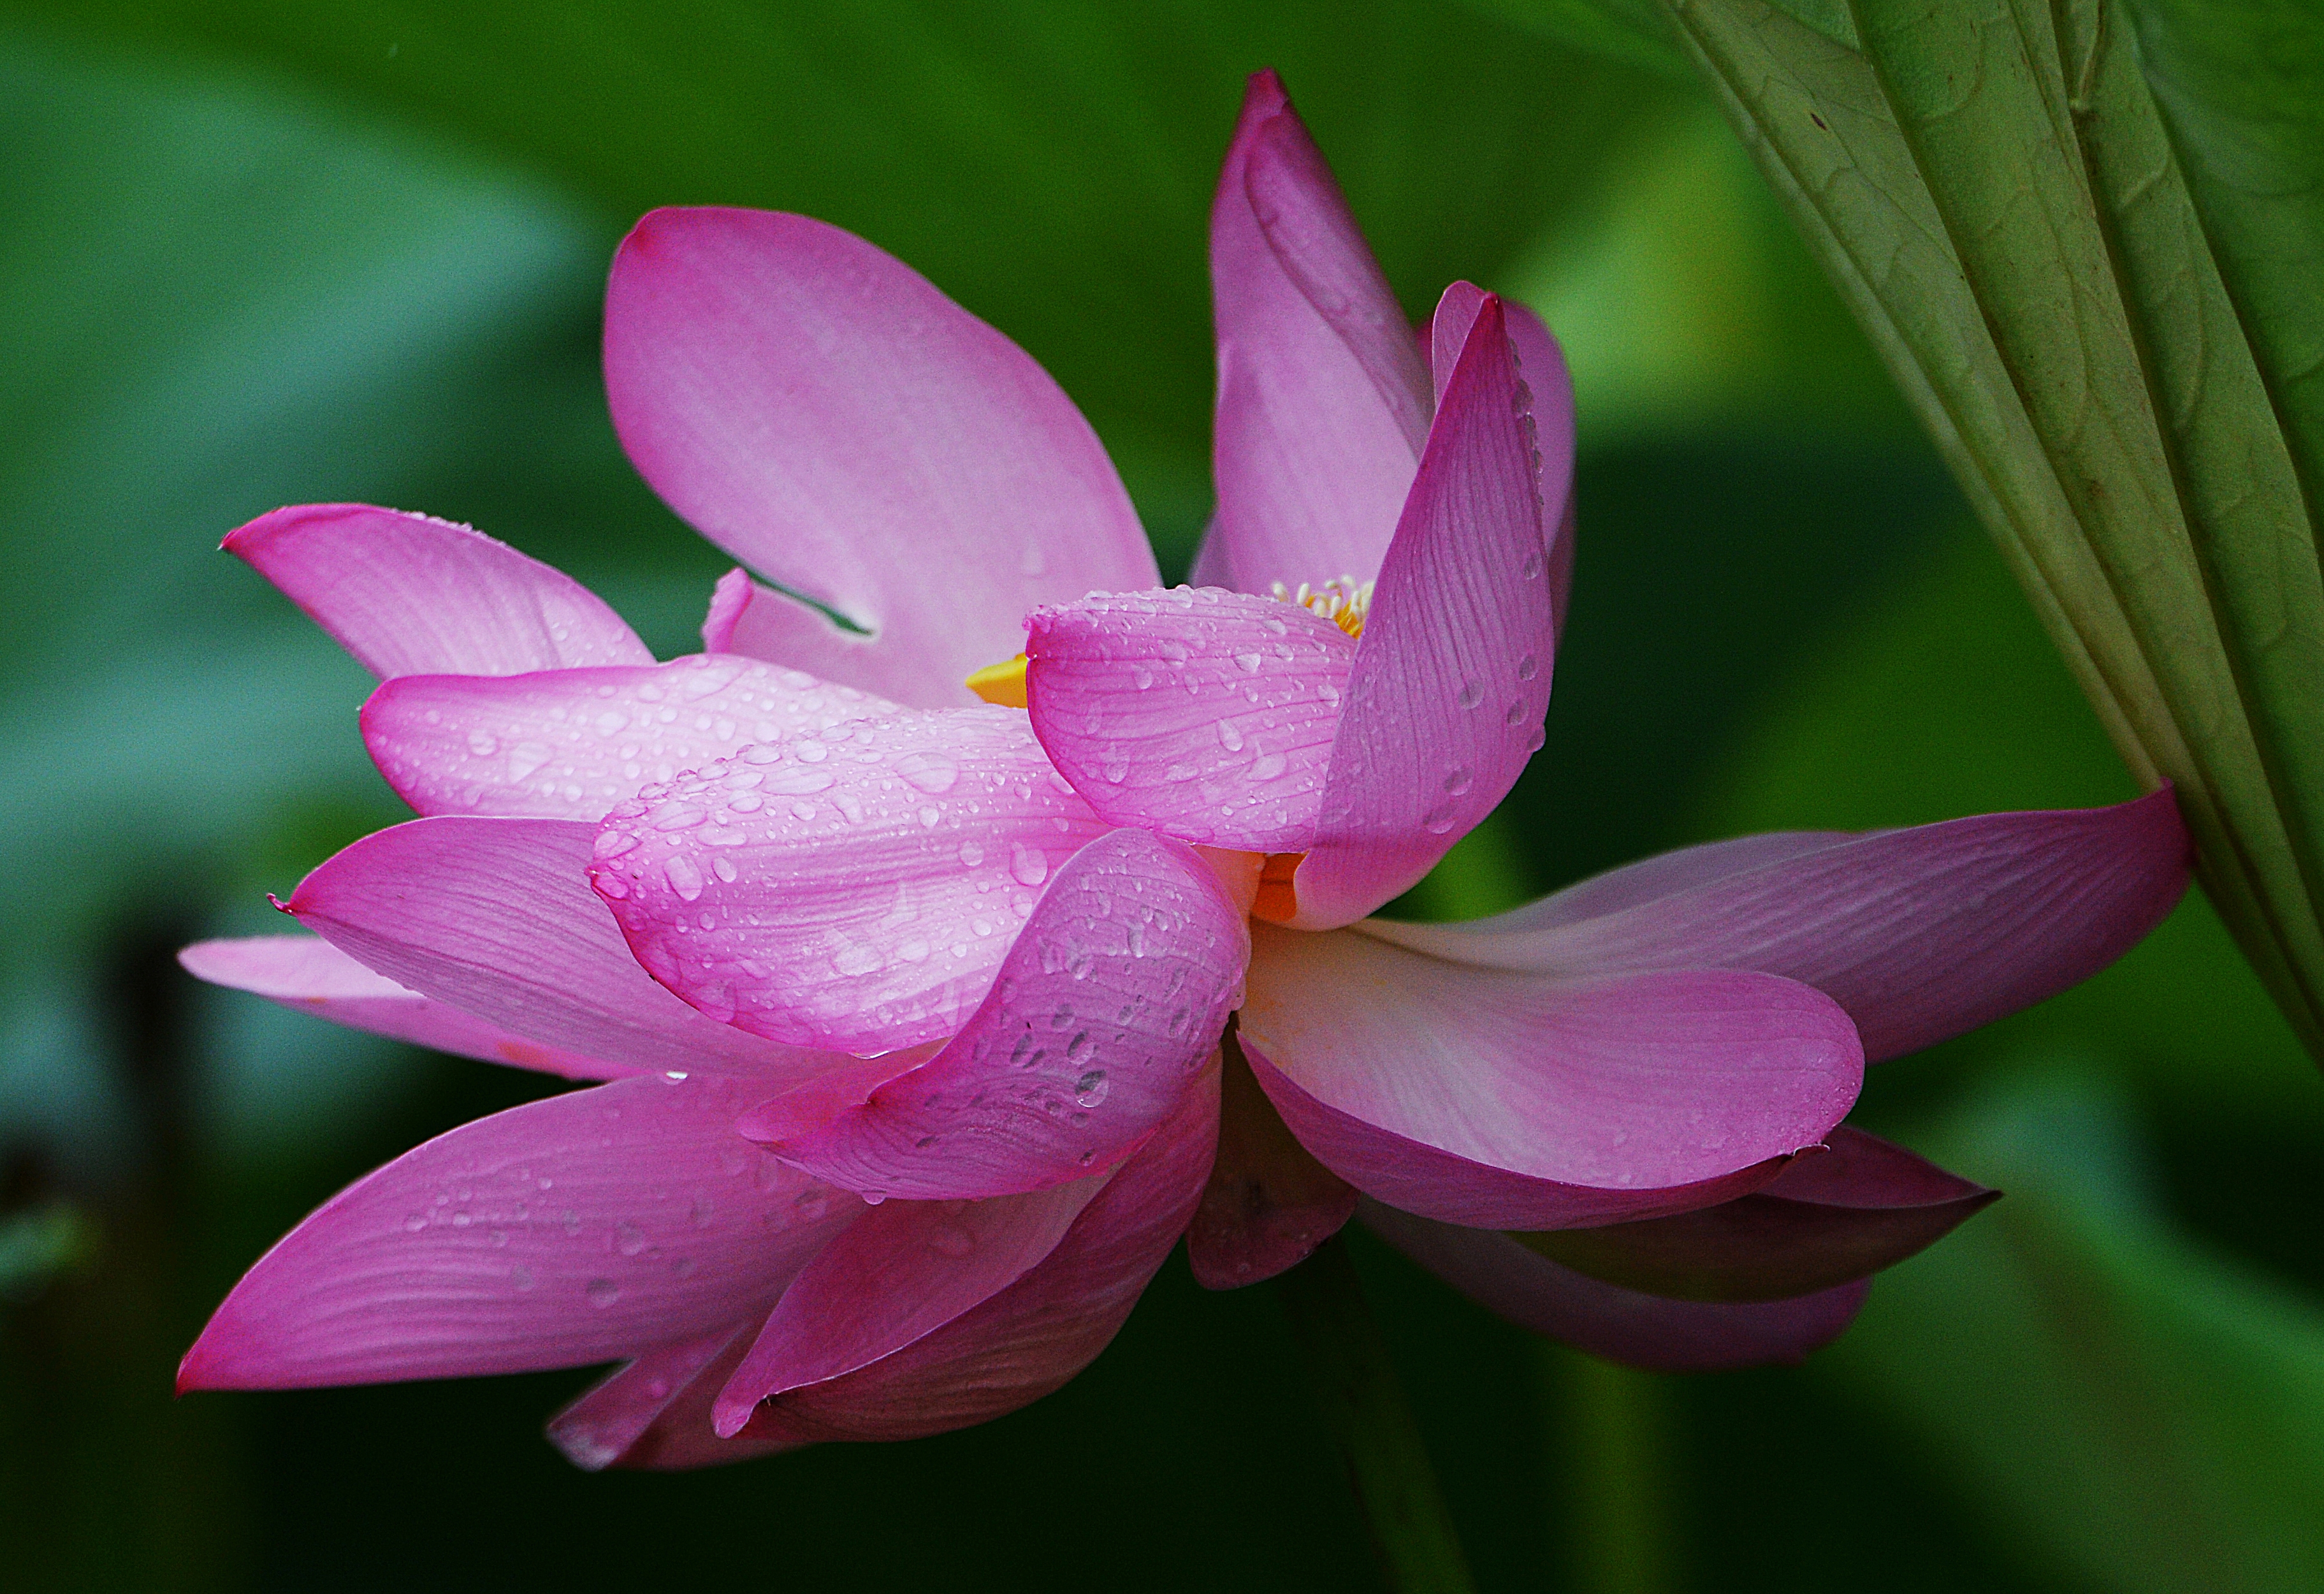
(654, 1413)
(1605, 1319)
(570, 744)
(1504, 1099)
(1549, 388)
(1035, 1335)
(1269, 1202)
(1206, 714)
(562, 1232)
(1829, 1217)
(1451, 675)
(1105, 1010)
(1322, 398)
(855, 891)
(495, 917)
(309, 975)
(817, 409)
(903, 1270)
(409, 595)
(1921, 934)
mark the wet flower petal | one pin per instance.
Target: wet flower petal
(1107, 1008)
(562, 1232)
(819, 410)
(409, 594)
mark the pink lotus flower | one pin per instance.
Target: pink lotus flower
(963, 967)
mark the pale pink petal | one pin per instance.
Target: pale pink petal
(855, 892)
(902, 1271)
(559, 1233)
(309, 975)
(1269, 1202)
(1451, 675)
(1205, 714)
(1107, 1008)
(1921, 934)
(1830, 1217)
(752, 618)
(1037, 1333)
(570, 744)
(495, 917)
(817, 409)
(1322, 398)
(654, 1413)
(1605, 1319)
(1506, 1099)
(730, 599)
(409, 595)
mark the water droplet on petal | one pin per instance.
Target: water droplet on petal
(1091, 1088)
(932, 773)
(1029, 865)
(603, 1292)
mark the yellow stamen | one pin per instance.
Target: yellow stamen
(1002, 683)
(1344, 601)
(1276, 901)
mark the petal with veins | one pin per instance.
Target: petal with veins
(654, 1413)
(1451, 677)
(1269, 1203)
(1107, 1008)
(1510, 1100)
(1605, 1319)
(1549, 388)
(817, 409)
(855, 891)
(1921, 934)
(557, 1233)
(495, 917)
(1322, 398)
(901, 1271)
(308, 974)
(1035, 1335)
(570, 744)
(409, 594)
(1205, 714)
(1830, 1217)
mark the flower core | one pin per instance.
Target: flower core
(1344, 601)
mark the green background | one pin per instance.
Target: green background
(256, 253)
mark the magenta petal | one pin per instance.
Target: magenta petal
(1451, 675)
(817, 409)
(1269, 1203)
(309, 975)
(1605, 1319)
(1205, 714)
(654, 1413)
(410, 595)
(1107, 1006)
(562, 1232)
(1921, 934)
(902, 1271)
(855, 892)
(1322, 399)
(495, 917)
(1510, 1100)
(570, 744)
(1829, 1217)
(1548, 387)
(1036, 1334)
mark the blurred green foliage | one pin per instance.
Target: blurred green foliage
(255, 253)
